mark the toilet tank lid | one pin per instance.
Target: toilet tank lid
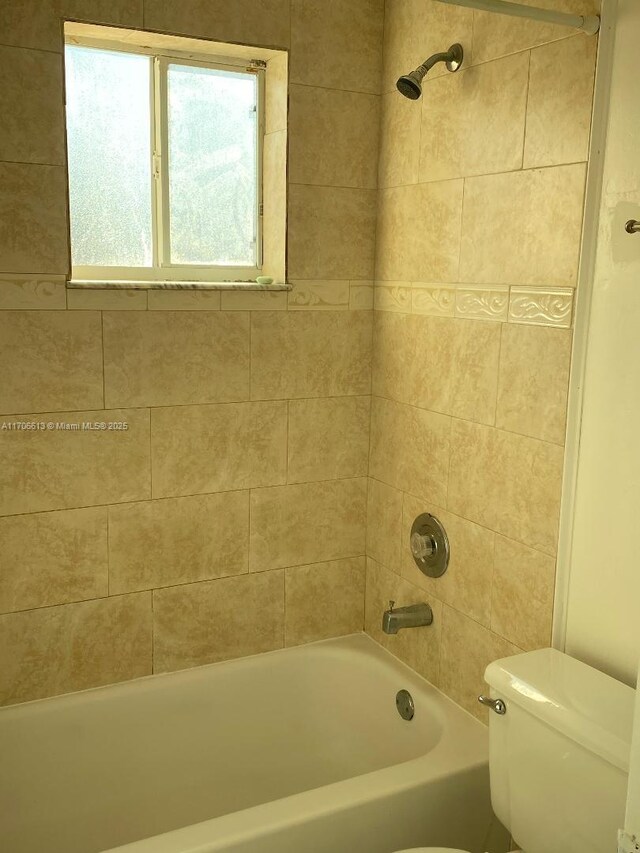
(583, 703)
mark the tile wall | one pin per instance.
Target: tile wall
(229, 517)
(480, 205)
(234, 513)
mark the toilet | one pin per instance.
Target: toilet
(558, 755)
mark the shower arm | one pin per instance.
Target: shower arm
(589, 24)
(428, 64)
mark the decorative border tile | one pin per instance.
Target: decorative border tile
(541, 306)
(392, 296)
(183, 300)
(109, 300)
(537, 306)
(319, 295)
(482, 303)
(437, 300)
(32, 292)
(361, 296)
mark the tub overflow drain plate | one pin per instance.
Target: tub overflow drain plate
(404, 704)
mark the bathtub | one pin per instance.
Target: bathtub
(295, 751)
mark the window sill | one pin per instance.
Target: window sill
(82, 284)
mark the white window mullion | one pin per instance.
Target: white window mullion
(260, 132)
(156, 201)
(161, 163)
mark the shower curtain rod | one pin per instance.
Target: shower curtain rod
(587, 23)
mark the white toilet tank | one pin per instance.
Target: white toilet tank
(559, 757)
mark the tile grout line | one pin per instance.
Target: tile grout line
(197, 582)
(526, 111)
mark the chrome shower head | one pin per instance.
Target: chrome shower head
(410, 85)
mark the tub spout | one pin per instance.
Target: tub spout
(413, 616)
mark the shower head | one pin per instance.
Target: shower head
(410, 85)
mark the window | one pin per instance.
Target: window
(164, 165)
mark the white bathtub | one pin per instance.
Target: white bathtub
(300, 750)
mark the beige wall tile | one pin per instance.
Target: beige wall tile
(467, 649)
(319, 296)
(414, 29)
(200, 449)
(522, 601)
(216, 620)
(333, 137)
(559, 107)
(419, 232)
(160, 359)
(475, 358)
(177, 540)
(53, 558)
(328, 438)
(322, 225)
(534, 381)
(183, 300)
(310, 354)
(437, 363)
(419, 648)
(37, 23)
(384, 524)
(466, 585)
(523, 227)
(399, 141)
(32, 24)
(324, 600)
(108, 300)
(410, 449)
(32, 106)
(498, 35)
(309, 523)
(50, 360)
(481, 99)
(260, 22)
(349, 33)
(31, 293)
(74, 646)
(33, 219)
(506, 482)
(396, 349)
(43, 469)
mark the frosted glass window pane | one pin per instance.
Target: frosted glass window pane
(212, 166)
(109, 138)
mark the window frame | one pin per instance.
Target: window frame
(162, 270)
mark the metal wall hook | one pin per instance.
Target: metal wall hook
(632, 227)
